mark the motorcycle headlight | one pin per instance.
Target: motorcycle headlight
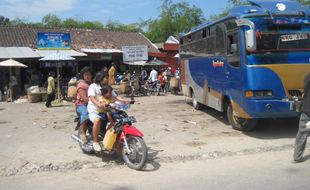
(258, 93)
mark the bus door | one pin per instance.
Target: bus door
(233, 71)
(219, 59)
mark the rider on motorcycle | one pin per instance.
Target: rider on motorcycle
(82, 99)
(107, 99)
(94, 93)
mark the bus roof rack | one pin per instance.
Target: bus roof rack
(272, 8)
(278, 8)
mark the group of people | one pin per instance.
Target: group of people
(94, 94)
(163, 76)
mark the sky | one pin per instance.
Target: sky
(124, 11)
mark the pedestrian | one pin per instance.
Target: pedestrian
(112, 73)
(161, 81)
(105, 70)
(304, 125)
(153, 75)
(2, 83)
(143, 74)
(14, 85)
(50, 89)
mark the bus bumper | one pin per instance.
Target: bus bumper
(271, 108)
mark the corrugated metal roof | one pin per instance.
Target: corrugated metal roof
(57, 56)
(12, 36)
(98, 50)
(72, 53)
(17, 52)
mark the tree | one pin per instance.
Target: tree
(71, 23)
(18, 22)
(51, 20)
(305, 2)
(173, 19)
(116, 26)
(4, 20)
(91, 25)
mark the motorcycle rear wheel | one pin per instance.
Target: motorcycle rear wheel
(137, 158)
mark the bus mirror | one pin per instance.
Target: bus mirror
(250, 37)
(250, 40)
(233, 49)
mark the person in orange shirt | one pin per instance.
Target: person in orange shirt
(161, 80)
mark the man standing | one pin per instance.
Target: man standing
(14, 85)
(153, 75)
(303, 131)
(143, 74)
(50, 88)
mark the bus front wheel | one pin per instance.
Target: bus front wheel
(196, 104)
(238, 123)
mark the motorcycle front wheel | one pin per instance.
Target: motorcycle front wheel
(137, 157)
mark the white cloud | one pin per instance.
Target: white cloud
(34, 9)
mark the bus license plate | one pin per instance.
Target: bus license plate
(293, 37)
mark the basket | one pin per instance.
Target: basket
(44, 96)
(34, 97)
(124, 87)
(174, 83)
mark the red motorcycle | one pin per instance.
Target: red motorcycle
(129, 141)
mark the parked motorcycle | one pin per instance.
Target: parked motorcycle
(135, 88)
(151, 87)
(128, 141)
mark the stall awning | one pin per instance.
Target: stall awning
(17, 53)
(72, 53)
(85, 50)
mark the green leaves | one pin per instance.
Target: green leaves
(173, 19)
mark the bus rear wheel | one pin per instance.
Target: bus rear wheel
(238, 123)
(196, 104)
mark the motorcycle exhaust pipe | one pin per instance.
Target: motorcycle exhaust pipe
(76, 138)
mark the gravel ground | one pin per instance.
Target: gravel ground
(36, 139)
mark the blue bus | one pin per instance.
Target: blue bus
(250, 64)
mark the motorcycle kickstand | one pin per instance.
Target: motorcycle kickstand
(126, 144)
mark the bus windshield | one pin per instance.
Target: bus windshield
(285, 35)
(276, 38)
(274, 42)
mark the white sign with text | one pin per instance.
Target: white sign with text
(135, 53)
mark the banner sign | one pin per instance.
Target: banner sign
(135, 53)
(53, 40)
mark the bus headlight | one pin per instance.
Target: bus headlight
(258, 93)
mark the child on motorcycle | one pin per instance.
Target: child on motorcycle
(107, 99)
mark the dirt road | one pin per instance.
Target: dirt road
(36, 143)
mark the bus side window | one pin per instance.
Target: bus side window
(220, 39)
(210, 42)
(232, 46)
(233, 49)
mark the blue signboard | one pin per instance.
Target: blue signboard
(54, 40)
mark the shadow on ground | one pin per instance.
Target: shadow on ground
(266, 128)
(151, 164)
(275, 129)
